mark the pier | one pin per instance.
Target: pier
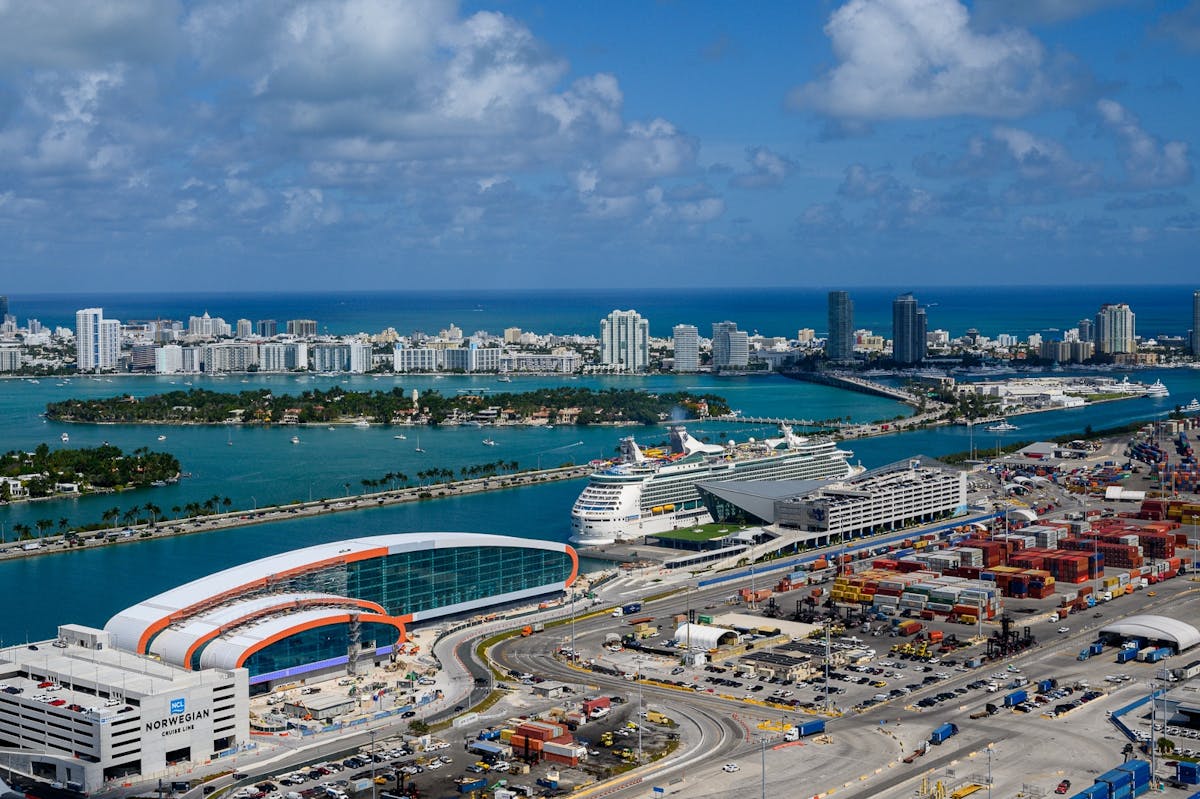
(771, 420)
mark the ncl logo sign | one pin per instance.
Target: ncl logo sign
(178, 705)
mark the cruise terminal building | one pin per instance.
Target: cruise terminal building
(168, 680)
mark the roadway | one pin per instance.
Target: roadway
(882, 733)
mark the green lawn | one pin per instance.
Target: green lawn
(703, 532)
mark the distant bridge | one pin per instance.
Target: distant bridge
(772, 420)
(852, 383)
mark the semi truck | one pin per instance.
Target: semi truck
(804, 729)
(627, 610)
(943, 733)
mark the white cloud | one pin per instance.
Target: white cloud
(304, 208)
(768, 169)
(650, 150)
(1148, 162)
(921, 58)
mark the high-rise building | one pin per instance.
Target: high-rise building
(625, 341)
(687, 348)
(97, 340)
(1116, 331)
(839, 346)
(1087, 332)
(3, 307)
(1196, 323)
(245, 328)
(909, 326)
(268, 328)
(512, 335)
(302, 328)
(730, 346)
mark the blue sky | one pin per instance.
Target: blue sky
(305, 144)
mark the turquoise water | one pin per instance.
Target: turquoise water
(263, 467)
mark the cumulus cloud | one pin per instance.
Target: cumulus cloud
(896, 204)
(921, 59)
(768, 169)
(1148, 162)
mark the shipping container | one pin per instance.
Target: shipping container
(943, 733)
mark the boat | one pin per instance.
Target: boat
(1192, 407)
(361, 423)
(503, 379)
(1003, 426)
(619, 501)
(162, 438)
(487, 442)
(1157, 390)
(295, 439)
(65, 437)
(418, 447)
(401, 437)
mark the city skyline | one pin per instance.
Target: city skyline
(407, 145)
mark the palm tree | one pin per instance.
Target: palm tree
(22, 530)
(175, 509)
(43, 525)
(63, 524)
(130, 516)
(153, 510)
(226, 502)
(111, 515)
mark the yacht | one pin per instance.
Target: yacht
(162, 438)
(503, 379)
(65, 438)
(1003, 426)
(1192, 407)
(647, 492)
(295, 439)
(1157, 390)
(401, 437)
(361, 423)
(487, 442)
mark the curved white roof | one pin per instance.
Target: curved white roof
(1158, 628)
(173, 643)
(133, 627)
(703, 636)
(1023, 513)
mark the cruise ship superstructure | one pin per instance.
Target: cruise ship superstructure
(644, 493)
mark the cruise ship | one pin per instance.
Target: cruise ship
(644, 493)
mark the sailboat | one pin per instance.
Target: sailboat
(229, 436)
(418, 449)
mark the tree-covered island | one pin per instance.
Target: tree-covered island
(562, 405)
(46, 472)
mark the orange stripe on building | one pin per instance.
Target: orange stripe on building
(574, 566)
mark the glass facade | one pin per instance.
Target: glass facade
(412, 582)
(317, 644)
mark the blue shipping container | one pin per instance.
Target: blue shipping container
(1140, 769)
(1016, 698)
(1045, 685)
(1188, 773)
(1116, 778)
(812, 727)
(1097, 647)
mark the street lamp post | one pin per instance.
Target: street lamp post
(373, 787)
(763, 764)
(1195, 542)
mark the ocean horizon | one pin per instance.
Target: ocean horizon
(771, 311)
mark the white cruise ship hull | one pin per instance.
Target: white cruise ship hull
(585, 533)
